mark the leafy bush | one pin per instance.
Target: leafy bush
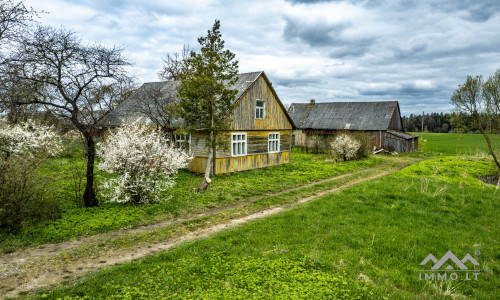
(345, 147)
(24, 198)
(365, 143)
(144, 162)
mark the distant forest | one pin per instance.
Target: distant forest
(433, 122)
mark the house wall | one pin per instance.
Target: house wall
(312, 138)
(395, 123)
(244, 113)
(257, 130)
(257, 152)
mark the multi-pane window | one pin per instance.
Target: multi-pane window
(259, 109)
(183, 141)
(238, 144)
(274, 142)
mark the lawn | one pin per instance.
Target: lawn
(455, 143)
(183, 199)
(363, 242)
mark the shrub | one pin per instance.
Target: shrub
(365, 146)
(144, 161)
(345, 147)
(24, 198)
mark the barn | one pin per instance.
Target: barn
(260, 132)
(317, 123)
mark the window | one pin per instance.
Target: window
(274, 142)
(183, 141)
(259, 109)
(238, 144)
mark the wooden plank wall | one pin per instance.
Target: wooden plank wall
(244, 114)
(241, 163)
(395, 123)
(257, 153)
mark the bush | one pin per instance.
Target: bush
(144, 161)
(365, 146)
(345, 147)
(24, 198)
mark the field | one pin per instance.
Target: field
(362, 242)
(456, 144)
(225, 190)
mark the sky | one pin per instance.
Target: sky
(416, 52)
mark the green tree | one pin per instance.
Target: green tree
(477, 104)
(206, 101)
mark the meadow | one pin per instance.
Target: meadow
(360, 243)
(63, 174)
(363, 242)
(456, 143)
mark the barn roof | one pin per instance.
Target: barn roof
(406, 136)
(163, 93)
(343, 115)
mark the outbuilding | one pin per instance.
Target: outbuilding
(317, 124)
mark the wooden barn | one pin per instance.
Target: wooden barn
(260, 134)
(317, 123)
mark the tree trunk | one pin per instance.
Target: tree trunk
(206, 180)
(89, 198)
(487, 138)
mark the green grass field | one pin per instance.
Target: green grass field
(456, 144)
(364, 242)
(224, 190)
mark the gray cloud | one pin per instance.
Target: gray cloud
(318, 34)
(416, 52)
(321, 34)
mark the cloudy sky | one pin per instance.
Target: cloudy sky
(416, 52)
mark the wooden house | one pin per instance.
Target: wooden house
(260, 130)
(317, 123)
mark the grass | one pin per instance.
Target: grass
(457, 144)
(224, 190)
(360, 243)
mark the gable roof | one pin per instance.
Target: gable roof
(344, 115)
(151, 96)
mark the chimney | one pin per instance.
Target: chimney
(312, 102)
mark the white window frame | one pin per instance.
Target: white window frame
(273, 137)
(261, 109)
(239, 141)
(180, 140)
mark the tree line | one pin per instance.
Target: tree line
(442, 123)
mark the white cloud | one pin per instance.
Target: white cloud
(415, 52)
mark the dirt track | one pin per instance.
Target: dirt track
(50, 264)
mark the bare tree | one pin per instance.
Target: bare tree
(157, 102)
(15, 18)
(174, 64)
(479, 103)
(13, 91)
(64, 72)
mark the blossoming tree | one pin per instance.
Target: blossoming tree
(144, 161)
(345, 147)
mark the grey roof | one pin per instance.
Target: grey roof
(403, 135)
(343, 115)
(134, 107)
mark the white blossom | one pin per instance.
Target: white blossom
(144, 161)
(345, 146)
(28, 138)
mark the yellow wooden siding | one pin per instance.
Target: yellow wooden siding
(241, 163)
(244, 114)
(257, 142)
(257, 153)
